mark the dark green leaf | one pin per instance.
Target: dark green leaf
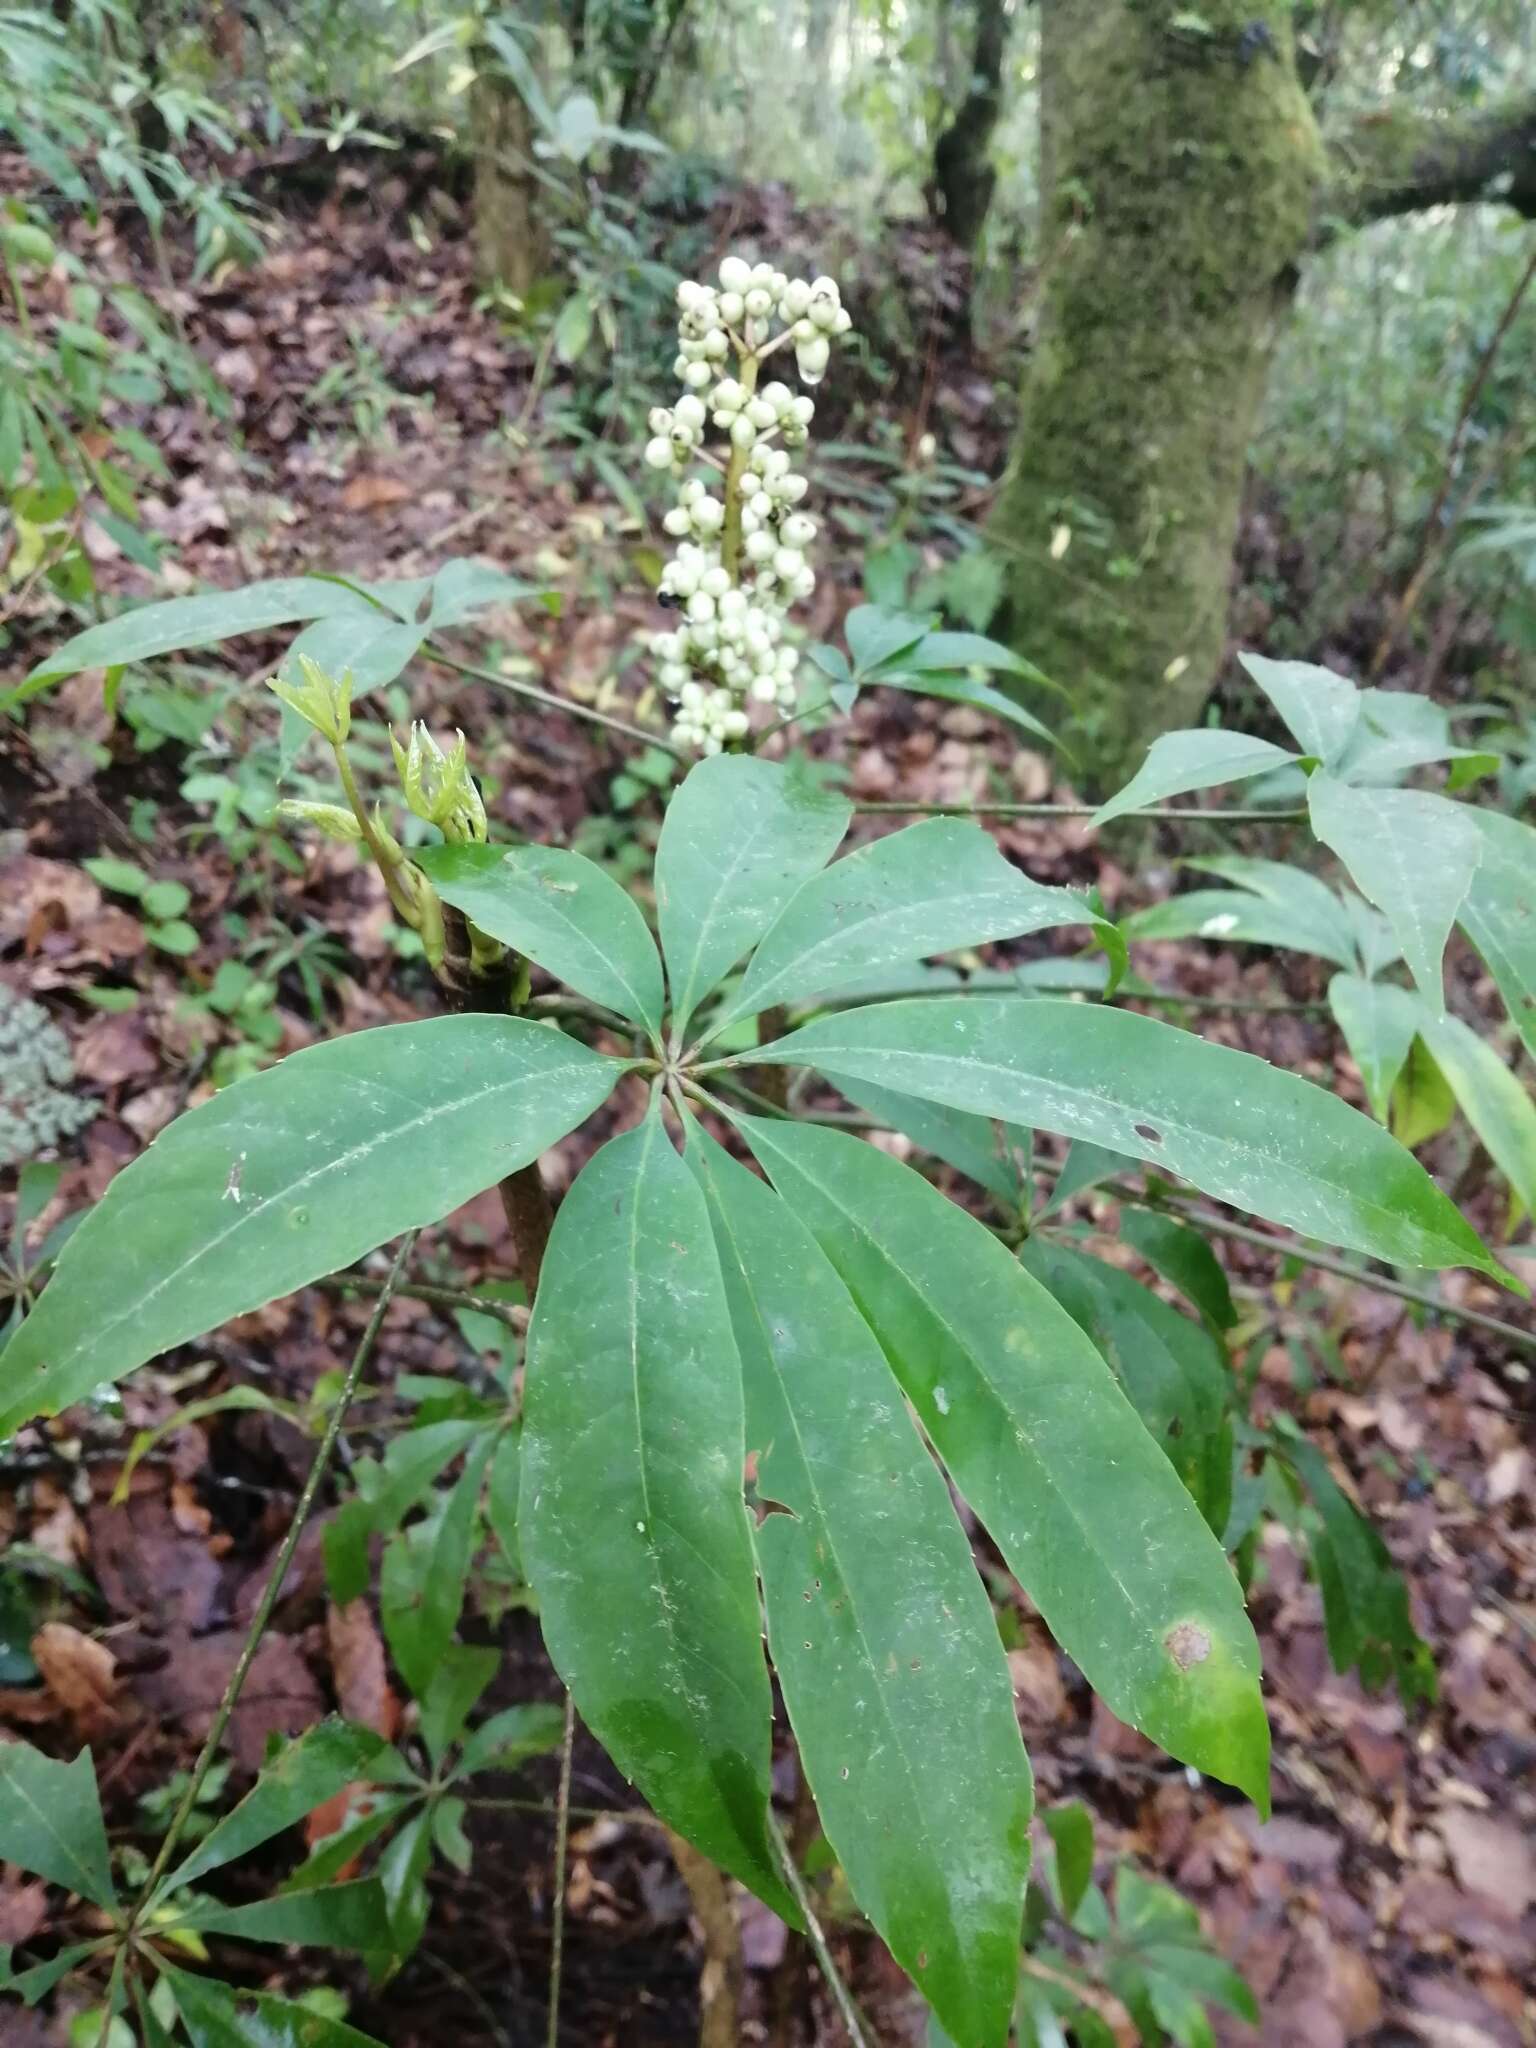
(50, 1820)
(1412, 853)
(1241, 1129)
(501, 1496)
(31, 1986)
(463, 1673)
(1184, 1259)
(289, 1175)
(1070, 1828)
(1044, 1446)
(344, 1916)
(633, 1528)
(1237, 916)
(739, 838)
(370, 646)
(511, 1737)
(218, 2016)
(881, 1634)
(1493, 1099)
(876, 635)
(303, 1776)
(368, 1817)
(1085, 1166)
(563, 911)
(932, 888)
(963, 689)
(424, 1575)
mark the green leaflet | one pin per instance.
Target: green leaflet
(1238, 916)
(931, 888)
(341, 1916)
(1239, 1128)
(423, 1575)
(994, 1154)
(218, 2016)
(1184, 1258)
(1493, 1099)
(633, 1529)
(1045, 1447)
(1320, 708)
(1499, 914)
(1412, 853)
(50, 1821)
(1378, 1020)
(739, 838)
(1181, 761)
(881, 1634)
(289, 1175)
(562, 910)
(301, 1777)
(1307, 899)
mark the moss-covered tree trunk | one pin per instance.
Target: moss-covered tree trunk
(511, 239)
(1184, 167)
(963, 175)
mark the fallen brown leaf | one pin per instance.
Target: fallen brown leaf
(81, 1675)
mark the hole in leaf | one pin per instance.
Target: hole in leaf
(1149, 1133)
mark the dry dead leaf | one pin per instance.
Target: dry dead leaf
(373, 493)
(1492, 1857)
(363, 1691)
(80, 1673)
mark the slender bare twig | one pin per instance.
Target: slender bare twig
(1220, 815)
(562, 1843)
(524, 689)
(800, 1891)
(269, 1599)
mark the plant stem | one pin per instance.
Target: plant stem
(1221, 815)
(562, 1843)
(261, 1620)
(512, 1314)
(587, 711)
(841, 1995)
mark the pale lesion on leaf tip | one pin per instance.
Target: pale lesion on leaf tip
(1187, 1644)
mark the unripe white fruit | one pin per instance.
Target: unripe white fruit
(759, 303)
(716, 345)
(731, 308)
(678, 520)
(798, 531)
(825, 288)
(708, 515)
(701, 608)
(796, 297)
(803, 410)
(787, 563)
(690, 410)
(823, 314)
(658, 453)
(792, 489)
(812, 358)
(729, 396)
(804, 331)
(696, 375)
(843, 321)
(715, 582)
(758, 546)
(743, 433)
(735, 274)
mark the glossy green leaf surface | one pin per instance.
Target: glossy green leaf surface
(342, 1916)
(932, 888)
(1412, 853)
(739, 838)
(218, 2016)
(1184, 1259)
(1499, 914)
(1378, 1020)
(632, 1521)
(1182, 761)
(289, 1175)
(50, 1821)
(561, 910)
(1241, 1129)
(1494, 1099)
(1044, 1445)
(1320, 709)
(301, 1777)
(882, 1636)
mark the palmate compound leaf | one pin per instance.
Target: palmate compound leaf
(883, 1639)
(739, 838)
(1237, 1127)
(631, 1519)
(563, 911)
(290, 1175)
(931, 888)
(1041, 1441)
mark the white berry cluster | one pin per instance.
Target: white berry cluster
(741, 555)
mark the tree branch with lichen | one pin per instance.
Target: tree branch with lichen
(1394, 161)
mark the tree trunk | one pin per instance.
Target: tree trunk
(963, 175)
(511, 240)
(1184, 170)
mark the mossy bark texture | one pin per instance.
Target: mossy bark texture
(1184, 170)
(511, 241)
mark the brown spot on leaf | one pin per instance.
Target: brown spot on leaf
(1148, 1133)
(1187, 1645)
